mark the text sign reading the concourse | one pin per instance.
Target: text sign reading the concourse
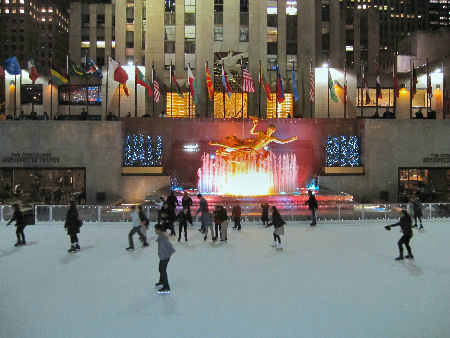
(30, 158)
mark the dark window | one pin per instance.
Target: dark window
(218, 6)
(85, 18)
(272, 48)
(244, 6)
(272, 20)
(189, 46)
(169, 47)
(189, 19)
(291, 48)
(31, 93)
(101, 19)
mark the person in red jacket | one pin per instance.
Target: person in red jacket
(236, 215)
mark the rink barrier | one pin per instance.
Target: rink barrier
(250, 213)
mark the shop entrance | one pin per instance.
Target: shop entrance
(429, 184)
(43, 185)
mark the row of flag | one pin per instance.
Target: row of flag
(90, 68)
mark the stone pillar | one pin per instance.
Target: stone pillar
(231, 10)
(257, 52)
(108, 31)
(138, 32)
(357, 44)
(120, 30)
(204, 50)
(373, 39)
(75, 30)
(336, 59)
(92, 32)
(179, 42)
(306, 52)
(154, 50)
(281, 13)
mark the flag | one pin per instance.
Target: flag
(247, 82)
(74, 69)
(345, 86)
(280, 89)
(264, 83)
(57, 78)
(92, 68)
(174, 81)
(226, 85)
(333, 95)
(12, 66)
(396, 87)
(119, 74)
(2, 71)
(294, 85)
(413, 81)
(366, 85)
(193, 86)
(312, 91)
(142, 81)
(379, 94)
(156, 91)
(209, 84)
(429, 88)
(33, 74)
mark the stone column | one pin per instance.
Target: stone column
(306, 51)
(281, 13)
(231, 10)
(336, 60)
(92, 32)
(179, 42)
(138, 32)
(120, 30)
(75, 31)
(374, 39)
(108, 32)
(357, 44)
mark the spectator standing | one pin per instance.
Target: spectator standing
(417, 207)
(204, 211)
(313, 206)
(73, 225)
(265, 213)
(236, 215)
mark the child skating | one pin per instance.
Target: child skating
(278, 224)
(165, 251)
(405, 223)
(183, 218)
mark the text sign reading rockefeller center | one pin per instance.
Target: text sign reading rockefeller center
(437, 158)
(30, 158)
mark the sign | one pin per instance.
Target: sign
(437, 158)
(41, 158)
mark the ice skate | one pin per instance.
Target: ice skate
(145, 244)
(399, 258)
(18, 243)
(409, 256)
(157, 285)
(130, 248)
(163, 291)
(274, 244)
(23, 243)
(279, 247)
(204, 238)
(179, 239)
(77, 247)
(185, 239)
(72, 250)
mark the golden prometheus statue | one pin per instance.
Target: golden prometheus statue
(234, 148)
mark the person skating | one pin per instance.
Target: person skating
(278, 224)
(73, 225)
(144, 223)
(221, 219)
(186, 201)
(135, 229)
(209, 225)
(265, 213)
(165, 251)
(417, 207)
(172, 202)
(167, 219)
(405, 224)
(20, 225)
(203, 210)
(313, 206)
(236, 215)
(183, 219)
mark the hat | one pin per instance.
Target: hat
(199, 195)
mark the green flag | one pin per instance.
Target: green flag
(331, 88)
(74, 69)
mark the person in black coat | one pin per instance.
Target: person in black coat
(20, 225)
(183, 218)
(278, 223)
(417, 207)
(405, 224)
(172, 203)
(72, 225)
(313, 206)
(186, 202)
(167, 219)
(265, 213)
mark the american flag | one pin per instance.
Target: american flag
(247, 82)
(156, 92)
(312, 92)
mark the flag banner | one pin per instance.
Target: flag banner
(174, 82)
(379, 94)
(396, 86)
(264, 83)
(209, 84)
(193, 86)
(333, 95)
(142, 81)
(119, 74)
(413, 81)
(247, 82)
(294, 85)
(312, 90)
(57, 78)
(12, 66)
(92, 68)
(280, 89)
(74, 69)
(33, 74)
(366, 85)
(226, 85)
(429, 88)
(156, 90)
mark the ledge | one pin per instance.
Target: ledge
(142, 171)
(343, 170)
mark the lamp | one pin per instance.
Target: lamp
(12, 83)
(438, 86)
(402, 86)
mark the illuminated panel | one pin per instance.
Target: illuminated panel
(233, 105)
(180, 105)
(285, 109)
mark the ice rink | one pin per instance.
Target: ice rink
(336, 280)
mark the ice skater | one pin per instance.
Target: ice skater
(166, 219)
(144, 222)
(417, 207)
(20, 225)
(278, 223)
(313, 206)
(73, 225)
(183, 218)
(208, 225)
(221, 220)
(405, 223)
(236, 216)
(203, 210)
(165, 251)
(265, 213)
(135, 229)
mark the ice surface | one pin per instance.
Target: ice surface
(336, 280)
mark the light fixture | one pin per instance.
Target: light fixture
(438, 70)
(325, 65)
(130, 63)
(402, 85)
(438, 86)
(12, 83)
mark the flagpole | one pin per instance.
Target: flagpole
(362, 90)
(153, 84)
(207, 93)
(87, 88)
(15, 94)
(67, 71)
(328, 87)
(393, 75)
(259, 91)
(171, 94)
(345, 86)
(135, 90)
(276, 91)
(107, 86)
(242, 87)
(311, 74)
(51, 89)
(189, 93)
(427, 95)
(119, 94)
(376, 85)
(410, 89)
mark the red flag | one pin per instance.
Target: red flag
(312, 91)
(142, 81)
(247, 82)
(209, 83)
(155, 85)
(264, 83)
(33, 74)
(120, 75)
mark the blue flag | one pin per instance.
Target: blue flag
(12, 66)
(294, 85)
(92, 68)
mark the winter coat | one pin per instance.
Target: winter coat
(277, 221)
(184, 218)
(265, 212)
(19, 218)
(73, 223)
(172, 201)
(186, 202)
(312, 203)
(165, 248)
(417, 209)
(203, 205)
(236, 212)
(405, 225)
(220, 215)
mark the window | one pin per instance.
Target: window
(170, 6)
(189, 47)
(31, 94)
(218, 33)
(169, 47)
(76, 95)
(101, 20)
(386, 101)
(243, 34)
